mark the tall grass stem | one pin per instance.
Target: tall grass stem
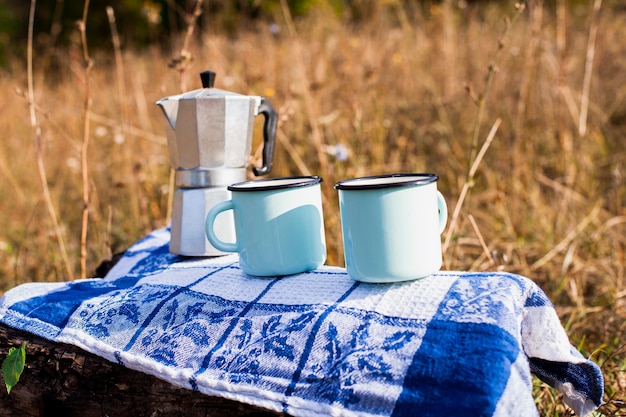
(481, 239)
(591, 48)
(88, 64)
(297, 159)
(563, 244)
(528, 75)
(305, 90)
(469, 183)
(38, 146)
(119, 69)
(491, 73)
(184, 59)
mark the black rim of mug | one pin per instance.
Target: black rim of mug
(357, 183)
(278, 183)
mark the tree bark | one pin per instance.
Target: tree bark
(64, 380)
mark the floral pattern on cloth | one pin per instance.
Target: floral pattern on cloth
(317, 343)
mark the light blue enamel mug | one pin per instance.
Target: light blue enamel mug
(391, 226)
(279, 225)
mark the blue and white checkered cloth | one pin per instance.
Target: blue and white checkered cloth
(318, 343)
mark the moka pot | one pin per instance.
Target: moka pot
(209, 136)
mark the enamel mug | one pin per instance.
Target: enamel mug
(279, 225)
(391, 226)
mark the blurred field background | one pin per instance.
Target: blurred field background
(520, 108)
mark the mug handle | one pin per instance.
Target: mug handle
(443, 212)
(210, 231)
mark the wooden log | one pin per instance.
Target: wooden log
(64, 380)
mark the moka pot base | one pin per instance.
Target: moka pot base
(198, 190)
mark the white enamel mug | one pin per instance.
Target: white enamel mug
(391, 226)
(279, 225)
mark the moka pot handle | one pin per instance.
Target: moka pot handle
(269, 136)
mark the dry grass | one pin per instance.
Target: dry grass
(407, 91)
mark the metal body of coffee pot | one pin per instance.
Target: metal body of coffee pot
(209, 136)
